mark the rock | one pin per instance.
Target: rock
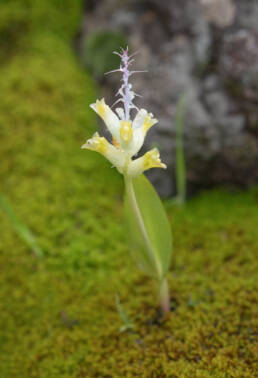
(206, 50)
(220, 12)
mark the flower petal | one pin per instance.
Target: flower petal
(141, 124)
(121, 113)
(114, 155)
(149, 160)
(139, 118)
(126, 132)
(109, 117)
(149, 122)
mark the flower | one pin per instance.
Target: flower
(127, 135)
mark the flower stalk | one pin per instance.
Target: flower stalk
(164, 297)
(128, 136)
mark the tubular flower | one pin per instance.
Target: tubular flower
(127, 135)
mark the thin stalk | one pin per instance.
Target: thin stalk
(180, 159)
(163, 289)
(164, 296)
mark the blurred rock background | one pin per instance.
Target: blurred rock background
(204, 49)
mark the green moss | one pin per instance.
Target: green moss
(59, 17)
(58, 314)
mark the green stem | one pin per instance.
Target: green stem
(164, 296)
(180, 159)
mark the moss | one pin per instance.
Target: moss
(59, 17)
(58, 314)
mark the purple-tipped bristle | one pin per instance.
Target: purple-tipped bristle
(125, 91)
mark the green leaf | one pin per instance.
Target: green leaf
(148, 227)
(21, 229)
(128, 325)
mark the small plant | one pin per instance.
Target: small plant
(147, 221)
(21, 229)
(128, 325)
(180, 159)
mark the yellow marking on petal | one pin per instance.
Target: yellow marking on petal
(101, 108)
(152, 160)
(126, 131)
(102, 145)
(148, 122)
(97, 143)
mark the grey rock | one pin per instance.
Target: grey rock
(189, 49)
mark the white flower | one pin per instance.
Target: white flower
(128, 137)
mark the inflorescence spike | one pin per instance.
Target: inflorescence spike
(125, 92)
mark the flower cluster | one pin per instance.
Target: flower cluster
(127, 135)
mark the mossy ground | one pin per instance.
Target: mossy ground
(58, 314)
